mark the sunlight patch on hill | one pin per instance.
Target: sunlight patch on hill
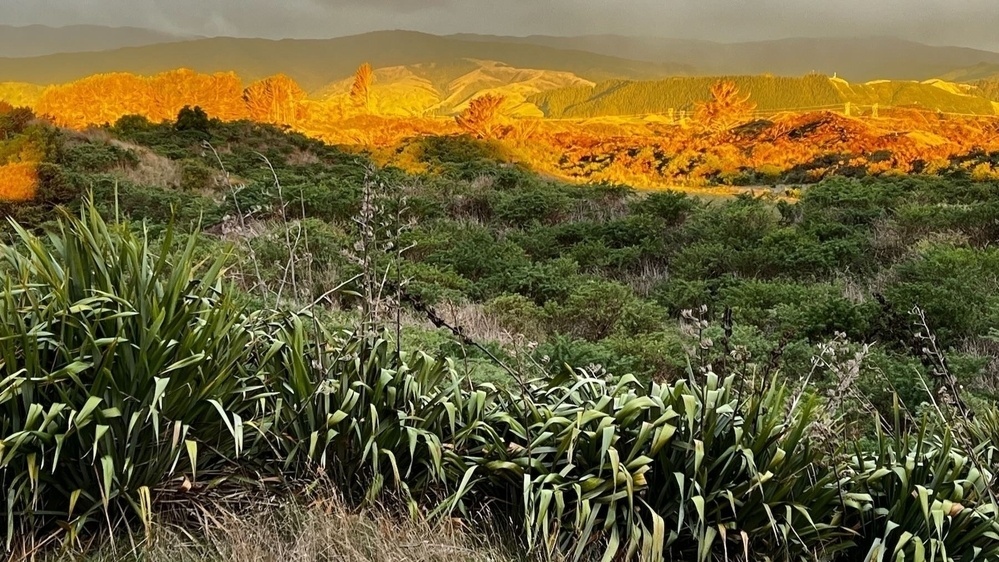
(396, 92)
(515, 84)
(20, 93)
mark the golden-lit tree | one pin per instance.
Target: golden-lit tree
(360, 91)
(104, 98)
(726, 108)
(219, 94)
(101, 98)
(482, 117)
(276, 100)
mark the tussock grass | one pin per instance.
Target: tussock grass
(325, 530)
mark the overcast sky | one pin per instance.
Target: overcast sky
(973, 23)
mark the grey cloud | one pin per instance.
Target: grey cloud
(954, 22)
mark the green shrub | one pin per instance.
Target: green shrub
(94, 158)
(544, 282)
(523, 207)
(517, 314)
(686, 471)
(192, 119)
(352, 407)
(955, 287)
(593, 310)
(158, 206)
(677, 295)
(195, 175)
(671, 206)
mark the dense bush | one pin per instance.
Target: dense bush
(479, 228)
(128, 365)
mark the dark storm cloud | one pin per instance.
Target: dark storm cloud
(958, 22)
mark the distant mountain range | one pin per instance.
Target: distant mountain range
(315, 63)
(45, 55)
(39, 40)
(419, 74)
(855, 59)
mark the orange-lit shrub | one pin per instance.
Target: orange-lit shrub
(18, 182)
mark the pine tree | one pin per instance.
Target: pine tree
(482, 117)
(726, 108)
(360, 92)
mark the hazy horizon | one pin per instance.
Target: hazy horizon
(971, 23)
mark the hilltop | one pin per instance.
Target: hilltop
(40, 40)
(981, 71)
(431, 89)
(20, 94)
(315, 64)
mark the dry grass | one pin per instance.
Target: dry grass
(152, 169)
(858, 289)
(987, 350)
(302, 157)
(324, 531)
(648, 276)
(476, 322)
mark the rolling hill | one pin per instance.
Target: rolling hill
(938, 95)
(770, 94)
(317, 63)
(40, 40)
(428, 89)
(989, 89)
(20, 94)
(856, 59)
(981, 71)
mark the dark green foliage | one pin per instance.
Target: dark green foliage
(523, 207)
(158, 206)
(812, 310)
(192, 119)
(95, 158)
(195, 175)
(956, 287)
(14, 121)
(596, 309)
(463, 150)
